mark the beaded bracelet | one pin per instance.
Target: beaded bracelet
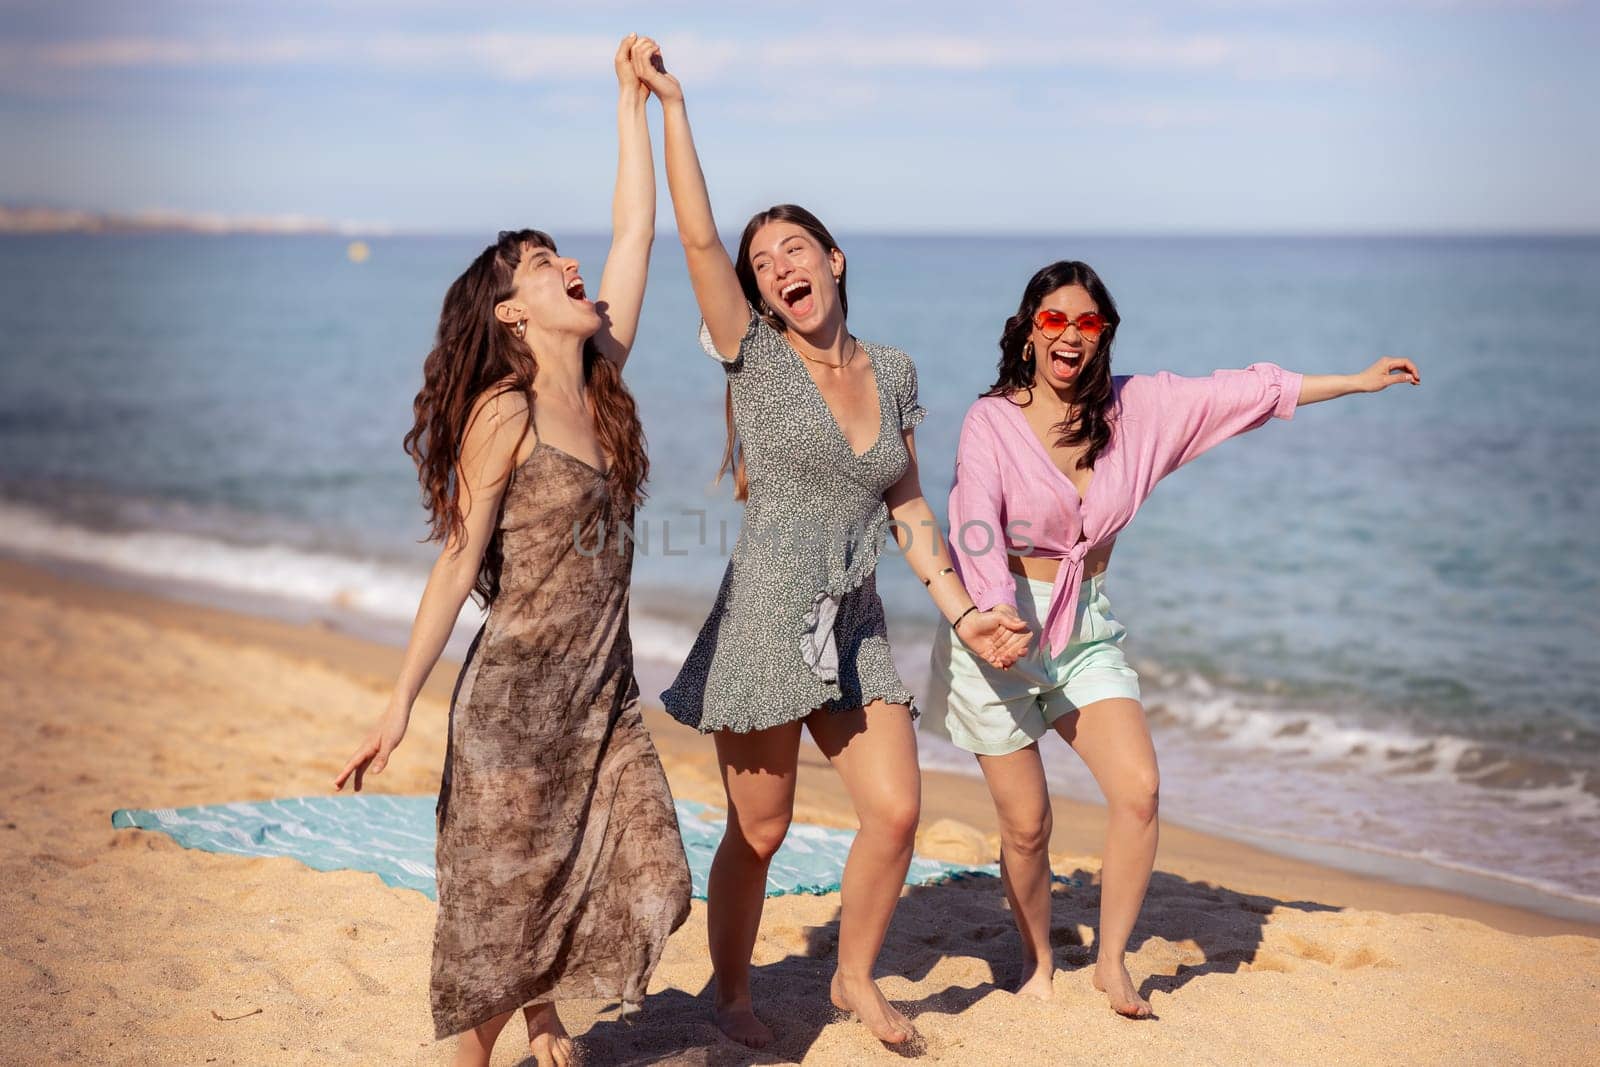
(941, 574)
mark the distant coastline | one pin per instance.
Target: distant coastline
(43, 220)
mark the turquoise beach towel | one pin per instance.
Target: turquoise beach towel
(393, 837)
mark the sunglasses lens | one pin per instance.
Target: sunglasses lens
(1054, 323)
(1051, 323)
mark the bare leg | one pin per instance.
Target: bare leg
(1114, 741)
(875, 752)
(474, 1046)
(547, 1038)
(1022, 801)
(758, 773)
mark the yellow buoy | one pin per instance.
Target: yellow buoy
(357, 251)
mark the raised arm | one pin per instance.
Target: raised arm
(716, 286)
(633, 211)
(495, 431)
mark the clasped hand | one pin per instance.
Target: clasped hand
(998, 636)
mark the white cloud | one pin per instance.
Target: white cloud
(514, 57)
(508, 57)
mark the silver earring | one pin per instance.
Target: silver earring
(521, 329)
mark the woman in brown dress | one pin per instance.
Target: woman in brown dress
(560, 867)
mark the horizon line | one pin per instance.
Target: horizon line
(387, 233)
(23, 219)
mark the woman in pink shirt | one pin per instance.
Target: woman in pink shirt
(1053, 462)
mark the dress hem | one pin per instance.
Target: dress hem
(750, 724)
(542, 989)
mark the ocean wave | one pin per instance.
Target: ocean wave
(1257, 762)
(1317, 736)
(384, 590)
(381, 589)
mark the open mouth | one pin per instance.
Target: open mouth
(1065, 361)
(575, 289)
(797, 296)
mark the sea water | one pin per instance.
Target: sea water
(1374, 626)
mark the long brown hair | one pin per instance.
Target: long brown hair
(475, 354)
(732, 452)
(1091, 423)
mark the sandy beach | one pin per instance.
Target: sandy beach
(121, 947)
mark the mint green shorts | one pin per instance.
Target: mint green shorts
(993, 712)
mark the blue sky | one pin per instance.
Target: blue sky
(1213, 115)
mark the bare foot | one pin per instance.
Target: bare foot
(547, 1038)
(1113, 980)
(737, 1019)
(865, 1000)
(1039, 983)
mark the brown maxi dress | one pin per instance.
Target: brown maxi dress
(561, 870)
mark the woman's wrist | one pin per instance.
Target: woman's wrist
(1315, 388)
(955, 623)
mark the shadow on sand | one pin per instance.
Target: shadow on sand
(966, 918)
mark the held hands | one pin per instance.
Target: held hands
(373, 754)
(998, 635)
(627, 80)
(1386, 372)
(651, 71)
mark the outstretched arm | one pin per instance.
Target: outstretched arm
(495, 431)
(716, 286)
(633, 211)
(1388, 371)
(1188, 416)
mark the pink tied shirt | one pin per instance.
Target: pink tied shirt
(1008, 492)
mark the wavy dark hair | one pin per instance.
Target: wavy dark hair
(732, 452)
(1090, 423)
(474, 356)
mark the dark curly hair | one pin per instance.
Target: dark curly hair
(1090, 423)
(476, 354)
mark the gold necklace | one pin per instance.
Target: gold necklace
(854, 348)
